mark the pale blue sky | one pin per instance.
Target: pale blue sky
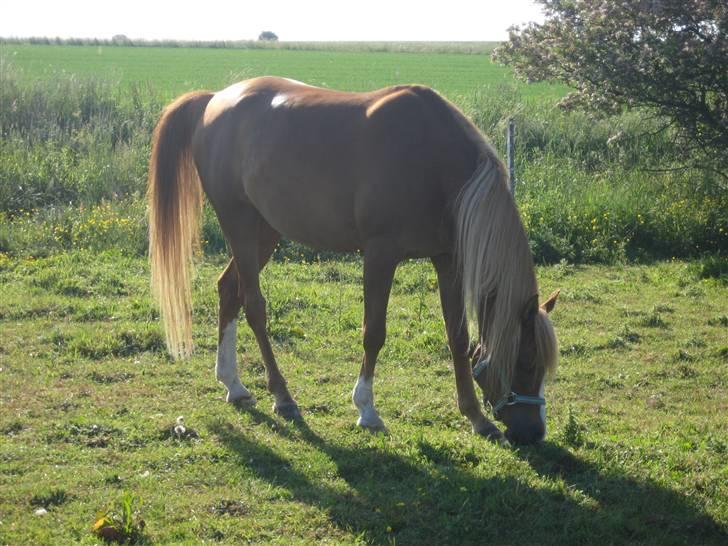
(451, 20)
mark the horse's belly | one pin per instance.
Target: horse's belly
(306, 213)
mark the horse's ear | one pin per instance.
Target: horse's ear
(530, 309)
(550, 303)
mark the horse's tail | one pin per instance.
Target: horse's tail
(174, 196)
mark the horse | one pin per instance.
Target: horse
(396, 173)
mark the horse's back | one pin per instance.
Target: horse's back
(328, 168)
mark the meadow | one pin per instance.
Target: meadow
(636, 450)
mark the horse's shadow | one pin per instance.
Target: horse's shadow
(391, 498)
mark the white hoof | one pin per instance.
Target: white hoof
(371, 422)
(240, 396)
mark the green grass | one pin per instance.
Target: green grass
(75, 147)
(636, 450)
(173, 71)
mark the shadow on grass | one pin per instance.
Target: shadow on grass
(441, 501)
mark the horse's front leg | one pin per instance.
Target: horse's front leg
(379, 267)
(457, 335)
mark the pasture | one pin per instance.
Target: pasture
(636, 450)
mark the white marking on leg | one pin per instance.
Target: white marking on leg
(543, 407)
(363, 397)
(226, 367)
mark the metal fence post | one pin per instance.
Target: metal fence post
(510, 153)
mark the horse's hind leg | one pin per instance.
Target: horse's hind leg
(457, 336)
(252, 241)
(226, 368)
(379, 267)
(231, 300)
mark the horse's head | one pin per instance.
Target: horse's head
(522, 408)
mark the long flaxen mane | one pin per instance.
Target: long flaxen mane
(498, 274)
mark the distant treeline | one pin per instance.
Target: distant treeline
(395, 47)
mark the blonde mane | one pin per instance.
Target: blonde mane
(497, 269)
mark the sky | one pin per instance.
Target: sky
(291, 20)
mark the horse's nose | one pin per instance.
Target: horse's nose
(526, 434)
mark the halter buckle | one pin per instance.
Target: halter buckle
(512, 398)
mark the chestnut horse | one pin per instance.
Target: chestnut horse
(396, 173)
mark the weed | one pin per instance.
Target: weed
(227, 507)
(713, 266)
(55, 497)
(573, 434)
(122, 522)
(721, 320)
(684, 356)
(654, 320)
(12, 428)
(575, 349)
(629, 335)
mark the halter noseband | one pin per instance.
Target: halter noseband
(510, 399)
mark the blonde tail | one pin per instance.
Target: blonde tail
(174, 197)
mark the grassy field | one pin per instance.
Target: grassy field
(636, 450)
(173, 71)
(76, 123)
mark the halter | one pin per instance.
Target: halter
(510, 399)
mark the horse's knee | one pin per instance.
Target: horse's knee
(458, 339)
(468, 408)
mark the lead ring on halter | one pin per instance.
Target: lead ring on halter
(511, 398)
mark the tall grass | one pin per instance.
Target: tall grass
(590, 190)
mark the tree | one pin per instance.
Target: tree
(121, 39)
(668, 56)
(268, 36)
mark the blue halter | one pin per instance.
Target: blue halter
(510, 399)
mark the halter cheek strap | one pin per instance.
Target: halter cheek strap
(511, 398)
(480, 367)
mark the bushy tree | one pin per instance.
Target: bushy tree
(668, 56)
(268, 36)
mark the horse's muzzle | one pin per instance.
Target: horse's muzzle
(526, 434)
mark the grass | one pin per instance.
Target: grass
(173, 71)
(75, 152)
(636, 450)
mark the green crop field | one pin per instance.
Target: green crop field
(177, 70)
(637, 449)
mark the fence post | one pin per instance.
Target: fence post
(510, 153)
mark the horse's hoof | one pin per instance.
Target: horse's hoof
(289, 411)
(372, 425)
(241, 401)
(492, 433)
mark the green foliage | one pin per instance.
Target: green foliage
(75, 155)
(573, 432)
(670, 57)
(121, 523)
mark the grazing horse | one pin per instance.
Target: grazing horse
(395, 173)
